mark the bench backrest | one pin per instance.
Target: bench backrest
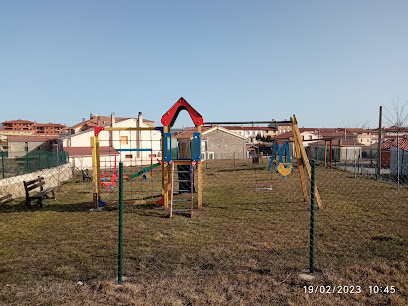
(33, 184)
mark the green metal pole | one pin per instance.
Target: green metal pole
(26, 161)
(2, 162)
(120, 243)
(48, 160)
(39, 160)
(312, 216)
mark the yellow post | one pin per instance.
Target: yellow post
(199, 185)
(301, 171)
(303, 155)
(96, 169)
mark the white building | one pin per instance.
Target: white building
(130, 147)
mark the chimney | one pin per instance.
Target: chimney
(90, 116)
(113, 119)
(83, 119)
(140, 119)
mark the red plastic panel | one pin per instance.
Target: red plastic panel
(98, 129)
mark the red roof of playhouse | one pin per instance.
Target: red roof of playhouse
(170, 116)
(85, 151)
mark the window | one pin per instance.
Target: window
(128, 155)
(310, 137)
(123, 139)
(303, 137)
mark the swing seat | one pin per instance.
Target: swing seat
(284, 169)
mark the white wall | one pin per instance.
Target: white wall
(83, 162)
(53, 177)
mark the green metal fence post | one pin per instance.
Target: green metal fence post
(120, 242)
(312, 216)
(26, 167)
(39, 160)
(2, 162)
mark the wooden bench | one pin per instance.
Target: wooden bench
(85, 176)
(5, 198)
(39, 196)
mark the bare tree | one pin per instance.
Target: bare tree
(396, 117)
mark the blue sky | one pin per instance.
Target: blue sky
(331, 63)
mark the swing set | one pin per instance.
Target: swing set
(284, 165)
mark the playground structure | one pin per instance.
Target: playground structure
(189, 162)
(145, 152)
(151, 144)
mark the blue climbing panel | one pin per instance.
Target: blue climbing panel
(196, 147)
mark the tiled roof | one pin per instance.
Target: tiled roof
(340, 142)
(286, 135)
(289, 135)
(31, 138)
(85, 151)
(401, 143)
(18, 121)
(386, 145)
(105, 120)
(50, 124)
(95, 121)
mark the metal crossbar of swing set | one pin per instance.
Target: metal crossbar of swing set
(133, 150)
(130, 129)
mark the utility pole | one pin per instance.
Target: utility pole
(379, 145)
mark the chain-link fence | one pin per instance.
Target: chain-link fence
(391, 167)
(24, 162)
(249, 244)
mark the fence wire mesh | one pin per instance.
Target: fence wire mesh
(249, 244)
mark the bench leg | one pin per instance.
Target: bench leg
(28, 203)
(40, 203)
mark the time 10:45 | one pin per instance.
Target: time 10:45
(379, 289)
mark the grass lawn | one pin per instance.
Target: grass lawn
(245, 247)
